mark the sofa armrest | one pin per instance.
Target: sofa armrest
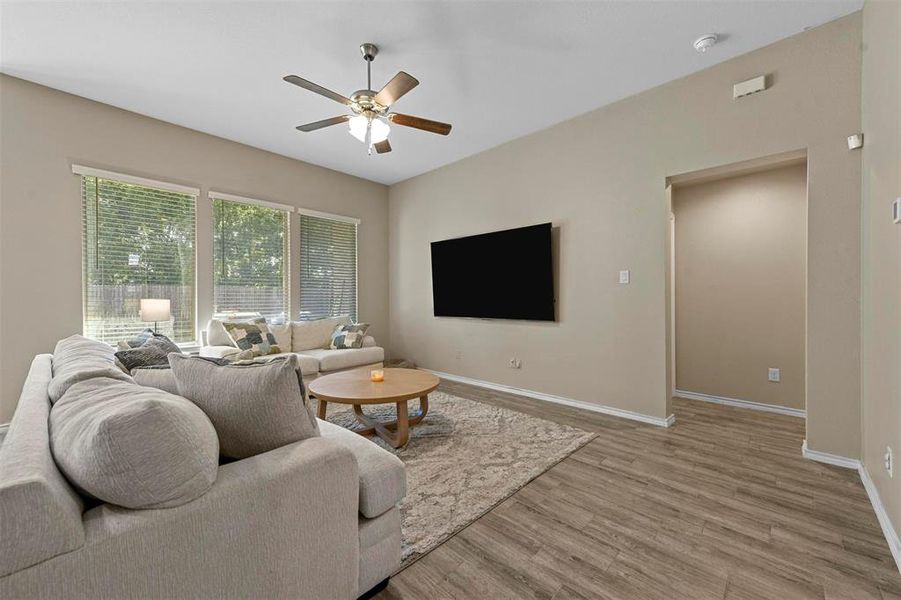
(218, 351)
(279, 524)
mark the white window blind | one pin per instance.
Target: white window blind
(328, 267)
(138, 243)
(250, 259)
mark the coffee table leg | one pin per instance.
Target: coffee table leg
(396, 433)
(322, 407)
(423, 410)
(402, 436)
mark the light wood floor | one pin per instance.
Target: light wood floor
(719, 506)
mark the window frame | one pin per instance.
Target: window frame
(356, 222)
(166, 186)
(212, 196)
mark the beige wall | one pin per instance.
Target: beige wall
(600, 178)
(740, 285)
(44, 131)
(882, 248)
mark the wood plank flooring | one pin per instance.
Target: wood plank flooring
(720, 506)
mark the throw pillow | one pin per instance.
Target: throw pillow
(254, 407)
(348, 336)
(253, 335)
(131, 445)
(153, 352)
(140, 339)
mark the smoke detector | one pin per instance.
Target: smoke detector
(703, 43)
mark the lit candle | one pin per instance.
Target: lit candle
(377, 375)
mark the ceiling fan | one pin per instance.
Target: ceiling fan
(371, 115)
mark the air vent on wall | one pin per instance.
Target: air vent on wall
(751, 86)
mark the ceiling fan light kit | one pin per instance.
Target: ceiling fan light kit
(371, 110)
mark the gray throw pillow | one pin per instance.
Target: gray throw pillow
(152, 352)
(255, 407)
(77, 358)
(140, 339)
(133, 446)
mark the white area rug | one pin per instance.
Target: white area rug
(463, 459)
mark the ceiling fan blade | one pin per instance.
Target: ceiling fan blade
(383, 147)
(399, 85)
(323, 123)
(314, 87)
(420, 123)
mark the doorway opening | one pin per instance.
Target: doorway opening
(737, 281)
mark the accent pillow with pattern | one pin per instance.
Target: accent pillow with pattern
(346, 337)
(254, 336)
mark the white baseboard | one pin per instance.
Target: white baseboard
(598, 408)
(772, 408)
(829, 459)
(888, 530)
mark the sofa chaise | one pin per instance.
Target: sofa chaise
(315, 519)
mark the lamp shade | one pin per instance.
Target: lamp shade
(155, 309)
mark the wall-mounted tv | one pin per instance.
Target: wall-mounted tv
(500, 275)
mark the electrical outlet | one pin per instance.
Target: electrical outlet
(515, 363)
(889, 461)
(624, 276)
(774, 374)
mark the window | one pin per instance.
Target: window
(250, 258)
(328, 266)
(138, 243)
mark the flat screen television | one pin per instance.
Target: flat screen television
(500, 275)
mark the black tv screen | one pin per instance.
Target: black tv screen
(501, 275)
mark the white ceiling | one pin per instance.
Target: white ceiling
(495, 70)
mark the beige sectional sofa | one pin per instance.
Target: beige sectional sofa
(309, 340)
(313, 519)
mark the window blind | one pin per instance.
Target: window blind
(138, 243)
(328, 268)
(250, 259)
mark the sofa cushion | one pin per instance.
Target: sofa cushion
(255, 407)
(335, 360)
(345, 337)
(383, 478)
(159, 378)
(133, 446)
(78, 358)
(309, 365)
(282, 333)
(306, 335)
(151, 353)
(228, 352)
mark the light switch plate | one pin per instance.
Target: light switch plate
(774, 375)
(896, 210)
(624, 276)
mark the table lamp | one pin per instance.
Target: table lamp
(156, 310)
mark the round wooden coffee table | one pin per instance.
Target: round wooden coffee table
(355, 388)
